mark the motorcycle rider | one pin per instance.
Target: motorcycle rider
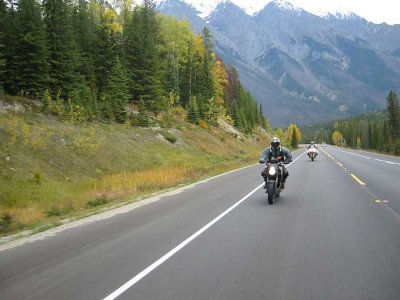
(281, 153)
(312, 145)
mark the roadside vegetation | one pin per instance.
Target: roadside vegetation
(52, 169)
(378, 131)
(103, 104)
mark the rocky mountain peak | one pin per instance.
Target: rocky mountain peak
(282, 4)
(302, 67)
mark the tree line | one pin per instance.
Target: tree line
(90, 60)
(378, 131)
(290, 137)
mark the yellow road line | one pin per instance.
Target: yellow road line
(378, 201)
(357, 179)
(339, 164)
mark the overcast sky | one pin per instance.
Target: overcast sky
(377, 11)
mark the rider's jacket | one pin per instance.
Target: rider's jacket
(282, 152)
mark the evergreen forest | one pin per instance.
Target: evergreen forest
(95, 61)
(379, 131)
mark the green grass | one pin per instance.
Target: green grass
(51, 170)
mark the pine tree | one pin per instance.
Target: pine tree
(84, 28)
(193, 111)
(243, 121)
(393, 116)
(106, 45)
(294, 139)
(263, 121)
(208, 41)
(235, 115)
(117, 90)
(10, 40)
(106, 110)
(88, 100)
(213, 112)
(143, 120)
(205, 84)
(142, 55)
(63, 57)
(30, 57)
(3, 24)
(46, 101)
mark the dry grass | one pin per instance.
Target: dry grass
(50, 170)
(26, 215)
(146, 180)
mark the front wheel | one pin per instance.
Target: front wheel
(312, 157)
(271, 192)
(270, 198)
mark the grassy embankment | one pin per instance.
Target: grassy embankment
(51, 170)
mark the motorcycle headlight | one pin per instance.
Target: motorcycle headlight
(272, 171)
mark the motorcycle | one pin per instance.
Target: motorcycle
(273, 176)
(312, 153)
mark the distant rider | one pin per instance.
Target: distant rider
(280, 153)
(312, 148)
(312, 145)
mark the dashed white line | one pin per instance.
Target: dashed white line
(388, 162)
(367, 157)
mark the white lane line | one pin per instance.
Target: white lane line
(164, 258)
(367, 157)
(386, 161)
(19, 239)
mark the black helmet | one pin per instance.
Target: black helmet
(275, 143)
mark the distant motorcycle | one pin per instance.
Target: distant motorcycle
(312, 153)
(273, 175)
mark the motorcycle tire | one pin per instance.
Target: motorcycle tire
(270, 198)
(271, 189)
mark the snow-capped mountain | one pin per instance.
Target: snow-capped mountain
(302, 67)
(205, 8)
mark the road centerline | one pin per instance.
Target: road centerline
(357, 179)
(175, 250)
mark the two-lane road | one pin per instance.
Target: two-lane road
(325, 238)
(380, 173)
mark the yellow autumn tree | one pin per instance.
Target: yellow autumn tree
(289, 134)
(111, 21)
(220, 78)
(336, 137)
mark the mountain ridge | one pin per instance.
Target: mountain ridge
(325, 67)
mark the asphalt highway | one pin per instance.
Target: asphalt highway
(333, 234)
